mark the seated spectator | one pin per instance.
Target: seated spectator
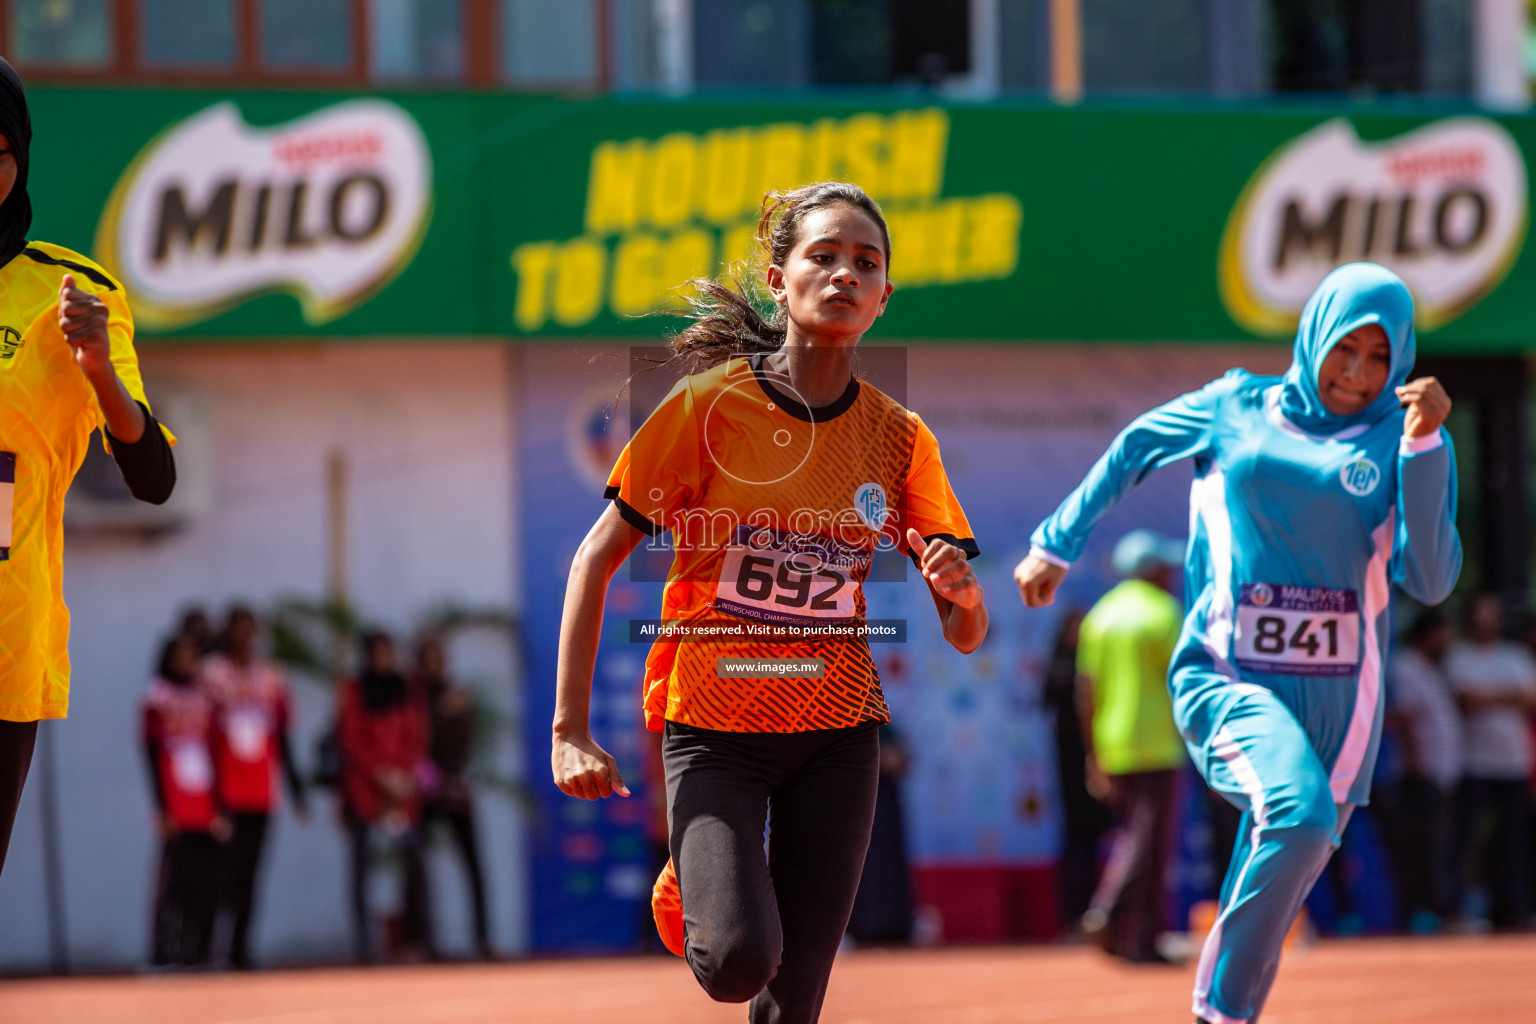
(382, 735)
(177, 736)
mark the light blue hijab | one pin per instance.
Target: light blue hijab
(1352, 296)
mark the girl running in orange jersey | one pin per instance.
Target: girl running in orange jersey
(779, 474)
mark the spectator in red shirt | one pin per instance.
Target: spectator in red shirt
(177, 736)
(382, 733)
(250, 696)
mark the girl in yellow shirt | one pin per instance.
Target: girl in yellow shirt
(67, 367)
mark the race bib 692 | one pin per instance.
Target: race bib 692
(782, 577)
(1300, 631)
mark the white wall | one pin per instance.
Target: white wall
(428, 432)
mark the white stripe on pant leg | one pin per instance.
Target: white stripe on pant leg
(1208, 502)
(1208, 506)
(1225, 746)
(1357, 740)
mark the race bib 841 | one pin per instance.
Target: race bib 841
(1300, 631)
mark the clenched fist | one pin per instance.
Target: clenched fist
(83, 319)
(1427, 405)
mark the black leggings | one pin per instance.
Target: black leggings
(16, 742)
(187, 899)
(415, 916)
(237, 898)
(461, 824)
(767, 929)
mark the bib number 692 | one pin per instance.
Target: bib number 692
(785, 585)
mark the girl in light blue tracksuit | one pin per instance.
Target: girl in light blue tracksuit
(1313, 494)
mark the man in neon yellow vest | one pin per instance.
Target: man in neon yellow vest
(1134, 748)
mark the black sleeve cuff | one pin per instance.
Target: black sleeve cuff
(147, 465)
(966, 544)
(632, 515)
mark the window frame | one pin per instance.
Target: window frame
(480, 20)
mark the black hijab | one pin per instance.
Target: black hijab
(16, 125)
(381, 690)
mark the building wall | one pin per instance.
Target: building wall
(428, 434)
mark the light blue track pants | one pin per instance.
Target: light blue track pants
(1260, 759)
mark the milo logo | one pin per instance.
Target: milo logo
(1444, 206)
(328, 207)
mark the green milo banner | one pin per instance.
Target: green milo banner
(273, 215)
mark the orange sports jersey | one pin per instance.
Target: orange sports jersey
(776, 511)
(47, 413)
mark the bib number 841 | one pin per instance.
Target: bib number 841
(1270, 638)
(1297, 642)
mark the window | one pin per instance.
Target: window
(418, 40)
(1136, 46)
(852, 42)
(195, 34)
(632, 44)
(1024, 45)
(1371, 46)
(1448, 47)
(306, 35)
(752, 42)
(63, 33)
(876, 42)
(549, 43)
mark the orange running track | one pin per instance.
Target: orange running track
(1386, 981)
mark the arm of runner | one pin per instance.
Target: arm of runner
(83, 319)
(581, 767)
(99, 331)
(1178, 430)
(1426, 558)
(957, 594)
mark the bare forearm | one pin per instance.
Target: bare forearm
(581, 624)
(964, 628)
(125, 420)
(607, 544)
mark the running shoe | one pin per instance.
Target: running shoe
(667, 909)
